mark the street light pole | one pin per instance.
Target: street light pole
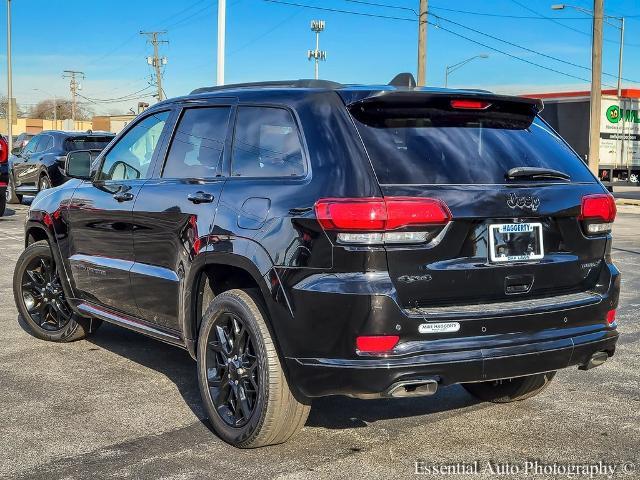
(9, 81)
(222, 14)
(562, 6)
(452, 68)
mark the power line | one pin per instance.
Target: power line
(437, 25)
(117, 98)
(337, 10)
(550, 57)
(502, 15)
(185, 19)
(582, 32)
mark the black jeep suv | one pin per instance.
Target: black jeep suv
(305, 238)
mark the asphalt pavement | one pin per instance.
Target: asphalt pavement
(122, 405)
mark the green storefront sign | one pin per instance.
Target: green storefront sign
(615, 114)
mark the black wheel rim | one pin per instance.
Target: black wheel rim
(43, 296)
(232, 370)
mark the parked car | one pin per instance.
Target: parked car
(40, 164)
(302, 239)
(20, 141)
(4, 177)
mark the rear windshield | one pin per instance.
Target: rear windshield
(406, 149)
(86, 143)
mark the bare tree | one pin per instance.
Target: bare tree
(45, 108)
(4, 107)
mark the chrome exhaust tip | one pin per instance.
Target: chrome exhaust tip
(412, 388)
(595, 360)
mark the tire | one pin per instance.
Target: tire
(46, 320)
(275, 414)
(510, 390)
(3, 204)
(44, 183)
(10, 195)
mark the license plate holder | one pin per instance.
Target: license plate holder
(515, 242)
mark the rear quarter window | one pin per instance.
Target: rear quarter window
(86, 143)
(421, 151)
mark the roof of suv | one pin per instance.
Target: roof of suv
(350, 93)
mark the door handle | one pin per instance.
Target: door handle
(123, 196)
(200, 197)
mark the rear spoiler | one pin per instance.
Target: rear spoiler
(443, 108)
(441, 99)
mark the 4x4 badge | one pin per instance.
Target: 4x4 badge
(527, 201)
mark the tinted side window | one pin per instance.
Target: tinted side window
(31, 146)
(130, 157)
(45, 142)
(266, 144)
(196, 148)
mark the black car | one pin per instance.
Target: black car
(40, 164)
(304, 238)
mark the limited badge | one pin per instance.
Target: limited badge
(442, 327)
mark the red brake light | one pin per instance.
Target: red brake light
(377, 214)
(376, 343)
(598, 207)
(351, 213)
(4, 151)
(470, 104)
(611, 317)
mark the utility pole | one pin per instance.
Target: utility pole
(422, 43)
(222, 16)
(9, 81)
(596, 86)
(156, 62)
(317, 54)
(74, 86)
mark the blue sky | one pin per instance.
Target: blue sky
(268, 40)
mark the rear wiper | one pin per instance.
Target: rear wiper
(535, 173)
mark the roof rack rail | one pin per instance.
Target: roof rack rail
(302, 83)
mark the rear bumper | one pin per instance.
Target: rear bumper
(493, 341)
(371, 377)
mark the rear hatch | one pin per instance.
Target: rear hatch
(87, 142)
(512, 191)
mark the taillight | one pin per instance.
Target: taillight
(611, 317)
(598, 213)
(4, 151)
(470, 104)
(376, 343)
(381, 220)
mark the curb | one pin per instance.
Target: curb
(627, 201)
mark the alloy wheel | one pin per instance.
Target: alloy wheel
(232, 370)
(43, 295)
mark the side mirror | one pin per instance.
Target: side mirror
(78, 164)
(16, 151)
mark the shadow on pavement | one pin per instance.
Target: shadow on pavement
(329, 412)
(8, 212)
